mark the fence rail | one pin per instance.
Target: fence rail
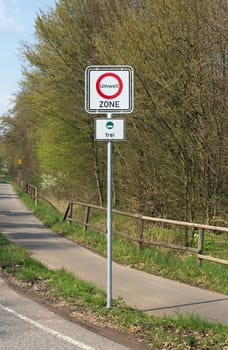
(69, 215)
(30, 189)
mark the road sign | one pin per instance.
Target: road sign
(109, 89)
(109, 129)
(19, 162)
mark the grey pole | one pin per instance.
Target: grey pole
(109, 220)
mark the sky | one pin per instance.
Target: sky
(17, 18)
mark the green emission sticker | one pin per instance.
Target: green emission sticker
(109, 125)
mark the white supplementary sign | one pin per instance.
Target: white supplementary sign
(109, 129)
(109, 89)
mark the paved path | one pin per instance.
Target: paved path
(156, 295)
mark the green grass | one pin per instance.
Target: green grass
(181, 332)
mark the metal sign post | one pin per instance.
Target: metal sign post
(19, 177)
(109, 89)
(109, 220)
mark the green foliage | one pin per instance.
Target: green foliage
(10, 254)
(216, 243)
(173, 163)
(49, 215)
(169, 150)
(76, 290)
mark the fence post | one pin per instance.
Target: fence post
(36, 196)
(200, 244)
(87, 212)
(141, 232)
(70, 216)
(66, 213)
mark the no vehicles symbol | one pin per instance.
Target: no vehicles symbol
(109, 85)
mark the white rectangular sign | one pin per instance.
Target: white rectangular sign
(109, 129)
(109, 89)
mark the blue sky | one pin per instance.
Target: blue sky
(17, 19)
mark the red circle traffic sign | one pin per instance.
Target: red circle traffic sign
(113, 75)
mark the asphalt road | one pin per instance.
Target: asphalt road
(26, 325)
(156, 295)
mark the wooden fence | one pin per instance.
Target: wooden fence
(142, 220)
(30, 189)
(69, 215)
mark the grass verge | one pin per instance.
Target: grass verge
(182, 332)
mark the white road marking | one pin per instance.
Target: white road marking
(48, 330)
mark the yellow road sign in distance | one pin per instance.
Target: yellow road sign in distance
(19, 162)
